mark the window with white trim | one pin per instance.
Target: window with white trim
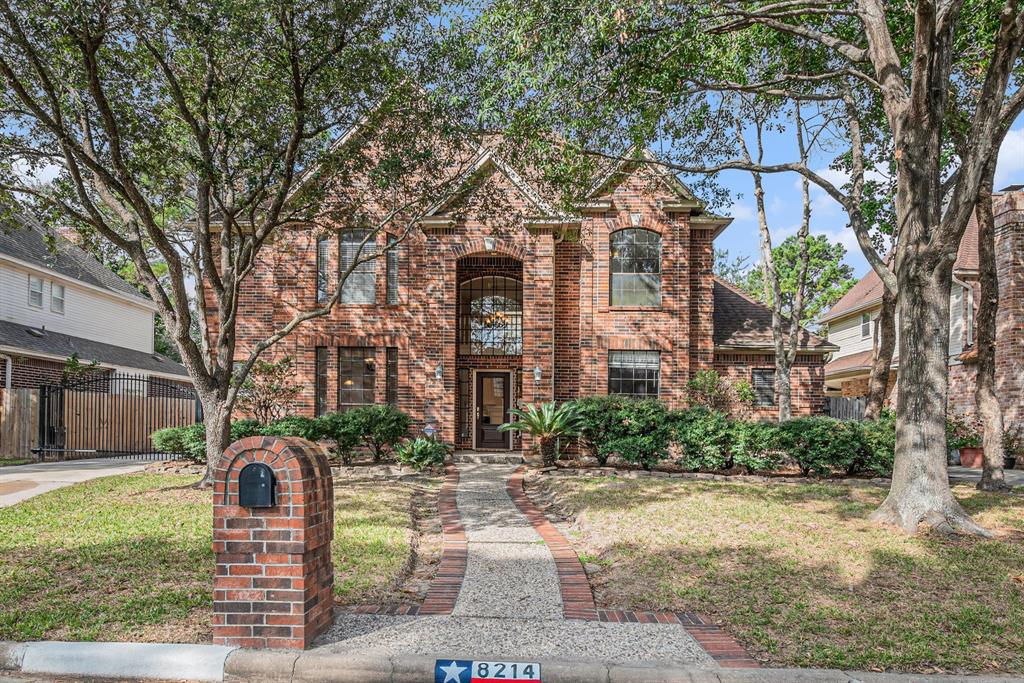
(635, 268)
(57, 298)
(323, 264)
(35, 291)
(357, 375)
(865, 325)
(391, 271)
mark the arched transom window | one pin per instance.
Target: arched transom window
(491, 316)
(635, 268)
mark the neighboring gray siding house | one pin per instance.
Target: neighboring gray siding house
(57, 300)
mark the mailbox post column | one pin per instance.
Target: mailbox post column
(272, 531)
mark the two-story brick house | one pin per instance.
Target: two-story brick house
(481, 310)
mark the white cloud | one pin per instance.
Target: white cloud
(38, 176)
(741, 212)
(1010, 166)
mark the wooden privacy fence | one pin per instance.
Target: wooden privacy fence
(110, 416)
(845, 408)
(19, 420)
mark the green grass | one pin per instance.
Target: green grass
(4, 462)
(129, 557)
(801, 576)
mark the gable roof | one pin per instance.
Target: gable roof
(740, 322)
(32, 340)
(868, 290)
(25, 239)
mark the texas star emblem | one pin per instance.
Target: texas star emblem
(452, 671)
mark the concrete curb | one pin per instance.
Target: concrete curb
(163, 661)
(117, 660)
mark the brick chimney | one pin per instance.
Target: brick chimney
(1009, 237)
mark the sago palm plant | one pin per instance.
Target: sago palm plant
(547, 423)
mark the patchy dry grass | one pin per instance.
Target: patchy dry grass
(129, 558)
(801, 576)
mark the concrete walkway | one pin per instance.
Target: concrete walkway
(21, 482)
(958, 473)
(510, 602)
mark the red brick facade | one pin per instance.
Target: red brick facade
(274, 583)
(569, 325)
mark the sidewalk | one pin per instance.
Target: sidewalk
(21, 482)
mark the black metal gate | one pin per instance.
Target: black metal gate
(111, 415)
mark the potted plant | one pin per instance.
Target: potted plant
(547, 423)
(1013, 447)
(964, 434)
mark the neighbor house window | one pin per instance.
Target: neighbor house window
(357, 372)
(970, 316)
(635, 268)
(35, 291)
(323, 265)
(634, 373)
(865, 325)
(361, 284)
(56, 298)
(762, 380)
(491, 316)
(392, 271)
(391, 376)
(322, 358)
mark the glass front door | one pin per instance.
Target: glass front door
(493, 400)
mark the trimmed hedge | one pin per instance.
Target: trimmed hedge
(378, 427)
(644, 432)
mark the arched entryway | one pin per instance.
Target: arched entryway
(489, 349)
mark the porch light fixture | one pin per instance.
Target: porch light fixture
(537, 374)
(439, 372)
(490, 243)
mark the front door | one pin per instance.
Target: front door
(492, 404)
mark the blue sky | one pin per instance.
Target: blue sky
(785, 207)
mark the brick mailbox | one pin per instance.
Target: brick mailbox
(273, 521)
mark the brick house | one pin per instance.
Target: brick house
(852, 320)
(480, 310)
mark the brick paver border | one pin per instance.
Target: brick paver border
(447, 582)
(578, 599)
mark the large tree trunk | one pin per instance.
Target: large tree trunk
(881, 362)
(991, 414)
(217, 419)
(783, 386)
(920, 490)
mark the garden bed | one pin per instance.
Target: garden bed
(129, 557)
(799, 574)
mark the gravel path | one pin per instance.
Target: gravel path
(509, 571)
(510, 603)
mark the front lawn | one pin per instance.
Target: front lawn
(801, 577)
(129, 557)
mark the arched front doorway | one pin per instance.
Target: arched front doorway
(489, 349)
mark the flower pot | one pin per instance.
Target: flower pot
(972, 456)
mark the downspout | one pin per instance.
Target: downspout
(8, 370)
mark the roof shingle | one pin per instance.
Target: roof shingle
(742, 322)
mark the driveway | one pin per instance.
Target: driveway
(956, 472)
(21, 482)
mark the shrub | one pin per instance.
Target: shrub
(756, 446)
(293, 425)
(343, 430)
(963, 431)
(640, 432)
(168, 440)
(547, 423)
(241, 429)
(268, 392)
(380, 427)
(879, 438)
(597, 417)
(193, 443)
(708, 389)
(703, 437)
(821, 444)
(421, 453)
